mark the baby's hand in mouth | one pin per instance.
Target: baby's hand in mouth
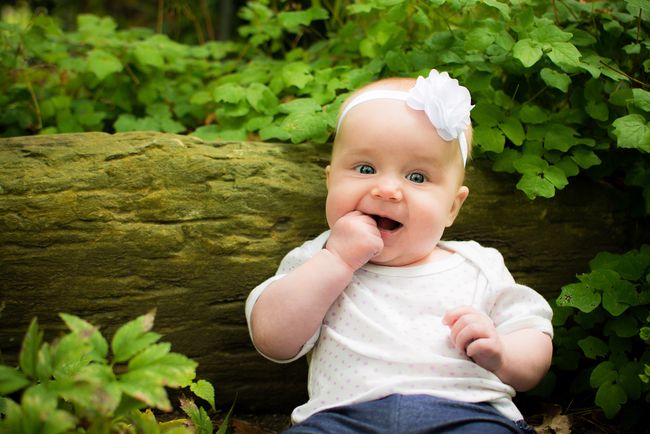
(356, 239)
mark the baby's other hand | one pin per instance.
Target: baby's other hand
(473, 333)
(355, 239)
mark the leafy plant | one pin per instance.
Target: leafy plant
(560, 87)
(78, 383)
(602, 340)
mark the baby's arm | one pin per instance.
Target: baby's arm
(291, 309)
(520, 358)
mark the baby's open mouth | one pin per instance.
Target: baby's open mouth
(386, 224)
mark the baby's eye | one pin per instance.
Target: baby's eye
(365, 169)
(416, 177)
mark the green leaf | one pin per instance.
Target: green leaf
(29, 351)
(610, 397)
(550, 33)
(632, 131)
(533, 114)
(580, 296)
(558, 80)
(619, 297)
(141, 388)
(641, 99)
(147, 54)
(593, 347)
(292, 21)
(200, 419)
(527, 51)
(305, 126)
(11, 380)
(531, 164)
(102, 63)
(624, 326)
(158, 368)
(133, 337)
(262, 99)
(585, 158)
(513, 130)
(556, 176)
(300, 105)
(565, 55)
(230, 93)
(534, 185)
(490, 139)
(559, 137)
(204, 390)
(605, 372)
(87, 330)
(297, 74)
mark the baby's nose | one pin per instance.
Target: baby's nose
(387, 190)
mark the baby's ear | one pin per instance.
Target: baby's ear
(461, 195)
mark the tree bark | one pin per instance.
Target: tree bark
(108, 227)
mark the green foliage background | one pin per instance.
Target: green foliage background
(561, 90)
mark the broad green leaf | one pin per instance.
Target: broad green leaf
(559, 137)
(556, 176)
(29, 351)
(305, 126)
(533, 114)
(490, 139)
(304, 105)
(534, 185)
(102, 63)
(624, 326)
(527, 51)
(580, 296)
(632, 131)
(568, 166)
(262, 99)
(565, 55)
(619, 297)
(610, 397)
(585, 158)
(171, 370)
(479, 39)
(503, 8)
(297, 74)
(149, 356)
(201, 97)
(142, 389)
(605, 372)
(504, 162)
(85, 329)
(641, 99)
(94, 25)
(133, 337)
(593, 347)
(628, 378)
(11, 380)
(550, 33)
(293, 20)
(531, 164)
(513, 130)
(274, 132)
(597, 109)
(558, 80)
(230, 93)
(148, 54)
(204, 390)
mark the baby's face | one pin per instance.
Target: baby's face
(389, 163)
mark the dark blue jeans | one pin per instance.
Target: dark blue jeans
(411, 414)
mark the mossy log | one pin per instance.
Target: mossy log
(108, 227)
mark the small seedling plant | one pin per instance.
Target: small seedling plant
(602, 340)
(79, 383)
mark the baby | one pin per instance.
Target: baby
(404, 333)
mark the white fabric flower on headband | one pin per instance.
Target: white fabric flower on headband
(446, 103)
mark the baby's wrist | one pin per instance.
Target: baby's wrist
(338, 263)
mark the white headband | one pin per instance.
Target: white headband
(446, 103)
